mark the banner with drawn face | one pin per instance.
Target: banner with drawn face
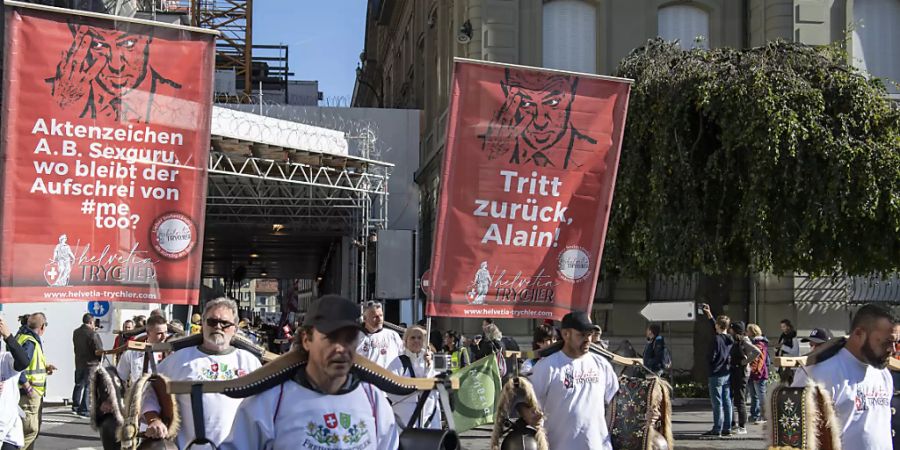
(526, 187)
(105, 141)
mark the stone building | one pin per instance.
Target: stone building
(410, 45)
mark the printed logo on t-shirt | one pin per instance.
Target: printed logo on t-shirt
(337, 431)
(220, 371)
(869, 397)
(572, 377)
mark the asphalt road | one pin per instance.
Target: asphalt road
(63, 430)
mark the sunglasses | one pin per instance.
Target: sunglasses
(216, 323)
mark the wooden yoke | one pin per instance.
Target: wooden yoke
(791, 362)
(618, 359)
(291, 361)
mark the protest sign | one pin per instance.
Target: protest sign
(105, 141)
(528, 173)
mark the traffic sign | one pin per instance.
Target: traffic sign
(669, 311)
(425, 284)
(98, 308)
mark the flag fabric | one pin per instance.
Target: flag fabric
(474, 403)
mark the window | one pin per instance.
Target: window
(689, 25)
(876, 40)
(570, 35)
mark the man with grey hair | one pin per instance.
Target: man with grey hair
(213, 360)
(379, 345)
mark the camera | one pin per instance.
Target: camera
(700, 307)
(441, 362)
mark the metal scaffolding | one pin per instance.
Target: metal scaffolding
(234, 46)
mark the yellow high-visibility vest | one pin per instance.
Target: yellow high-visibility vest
(36, 372)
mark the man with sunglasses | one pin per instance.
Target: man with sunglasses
(379, 345)
(322, 404)
(213, 360)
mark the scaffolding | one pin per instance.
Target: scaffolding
(234, 46)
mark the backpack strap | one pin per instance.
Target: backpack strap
(407, 365)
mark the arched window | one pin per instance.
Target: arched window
(687, 24)
(876, 39)
(570, 35)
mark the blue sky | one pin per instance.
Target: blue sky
(325, 38)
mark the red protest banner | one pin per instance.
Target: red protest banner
(105, 141)
(527, 182)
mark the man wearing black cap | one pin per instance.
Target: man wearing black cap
(323, 404)
(817, 336)
(743, 352)
(574, 386)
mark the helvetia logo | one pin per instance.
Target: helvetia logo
(173, 235)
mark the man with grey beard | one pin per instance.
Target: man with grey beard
(213, 360)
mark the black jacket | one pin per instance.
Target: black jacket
(86, 342)
(653, 354)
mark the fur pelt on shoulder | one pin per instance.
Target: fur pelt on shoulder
(128, 433)
(511, 395)
(106, 388)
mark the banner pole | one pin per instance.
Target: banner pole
(428, 332)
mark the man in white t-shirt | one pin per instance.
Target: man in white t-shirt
(574, 387)
(860, 384)
(12, 361)
(379, 345)
(131, 364)
(213, 360)
(321, 405)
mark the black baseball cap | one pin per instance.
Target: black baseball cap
(738, 327)
(818, 336)
(331, 313)
(577, 320)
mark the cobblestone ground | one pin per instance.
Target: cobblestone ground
(62, 430)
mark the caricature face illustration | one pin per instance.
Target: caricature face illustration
(124, 57)
(544, 106)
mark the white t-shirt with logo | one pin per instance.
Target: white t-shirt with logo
(10, 417)
(574, 394)
(862, 399)
(383, 347)
(290, 416)
(131, 365)
(190, 364)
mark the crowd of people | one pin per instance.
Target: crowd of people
(324, 401)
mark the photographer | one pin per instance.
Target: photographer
(719, 358)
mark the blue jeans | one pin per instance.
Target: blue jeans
(757, 391)
(720, 395)
(82, 393)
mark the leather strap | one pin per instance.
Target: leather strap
(197, 411)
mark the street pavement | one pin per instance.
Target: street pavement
(63, 430)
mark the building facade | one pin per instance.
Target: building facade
(407, 63)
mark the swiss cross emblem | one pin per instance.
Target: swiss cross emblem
(214, 367)
(50, 273)
(331, 420)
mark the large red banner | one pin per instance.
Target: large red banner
(105, 141)
(529, 168)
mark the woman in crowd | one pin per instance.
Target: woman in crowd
(759, 374)
(655, 351)
(459, 354)
(416, 362)
(544, 336)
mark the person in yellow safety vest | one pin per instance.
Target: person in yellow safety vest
(196, 328)
(459, 356)
(33, 381)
